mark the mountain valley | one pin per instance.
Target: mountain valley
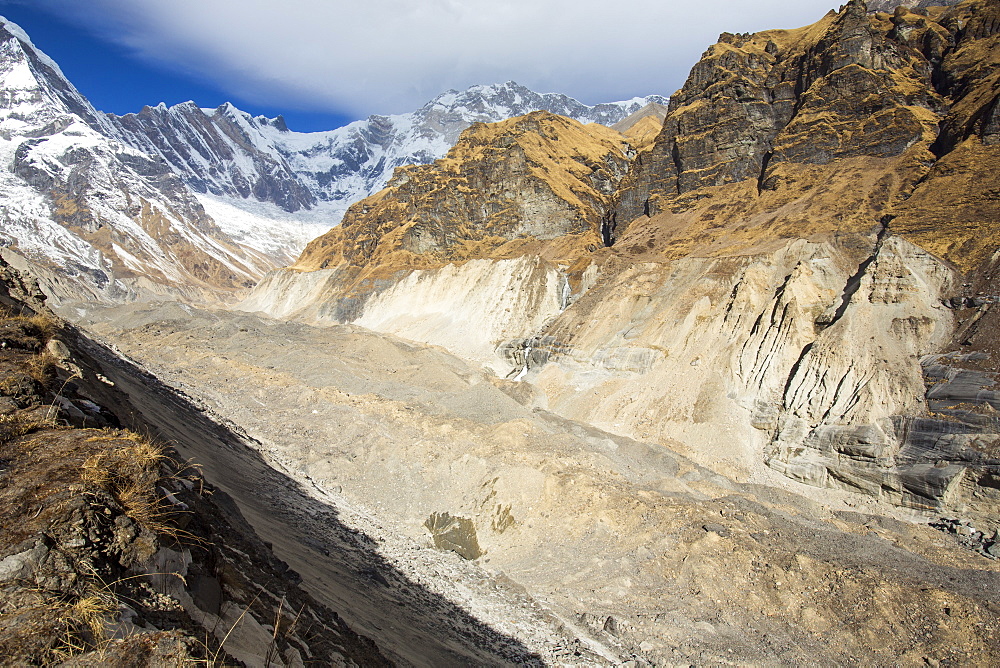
(711, 380)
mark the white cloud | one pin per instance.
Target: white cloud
(382, 56)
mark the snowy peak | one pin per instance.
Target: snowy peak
(220, 152)
(511, 99)
(77, 201)
(35, 85)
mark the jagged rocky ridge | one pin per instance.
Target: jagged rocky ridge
(228, 152)
(773, 281)
(191, 202)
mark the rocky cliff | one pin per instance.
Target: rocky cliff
(774, 281)
(858, 125)
(807, 111)
(217, 151)
(540, 176)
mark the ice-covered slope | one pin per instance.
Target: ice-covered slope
(227, 152)
(95, 216)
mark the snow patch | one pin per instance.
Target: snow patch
(266, 227)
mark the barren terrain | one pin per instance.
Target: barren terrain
(586, 545)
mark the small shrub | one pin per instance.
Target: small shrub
(42, 367)
(17, 425)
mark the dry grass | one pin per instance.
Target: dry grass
(92, 613)
(134, 457)
(46, 325)
(17, 425)
(42, 367)
(42, 325)
(60, 628)
(129, 470)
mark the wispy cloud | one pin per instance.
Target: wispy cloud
(384, 56)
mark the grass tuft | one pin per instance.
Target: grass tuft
(129, 470)
(42, 367)
(17, 425)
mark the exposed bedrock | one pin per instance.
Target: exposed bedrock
(917, 88)
(763, 283)
(808, 358)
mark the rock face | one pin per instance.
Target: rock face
(539, 176)
(797, 110)
(770, 283)
(863, 133)
(772, 356)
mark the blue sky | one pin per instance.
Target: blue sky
(114, 79)
(322, 63)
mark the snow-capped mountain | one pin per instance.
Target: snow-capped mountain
(223, 152)
(229, 153)
(78, 203)
(193, 200)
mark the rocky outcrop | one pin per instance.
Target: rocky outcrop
(776, 107)
(891, 5)
(769, 274)
(538, 176)
(850, 132)
(531, 186)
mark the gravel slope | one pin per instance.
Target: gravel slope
(652, 557)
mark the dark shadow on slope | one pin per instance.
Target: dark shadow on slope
(339, 566)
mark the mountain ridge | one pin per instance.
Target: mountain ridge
(190, 202)
(333, 168)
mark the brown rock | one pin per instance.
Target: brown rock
(504, 189)
(769, 107)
